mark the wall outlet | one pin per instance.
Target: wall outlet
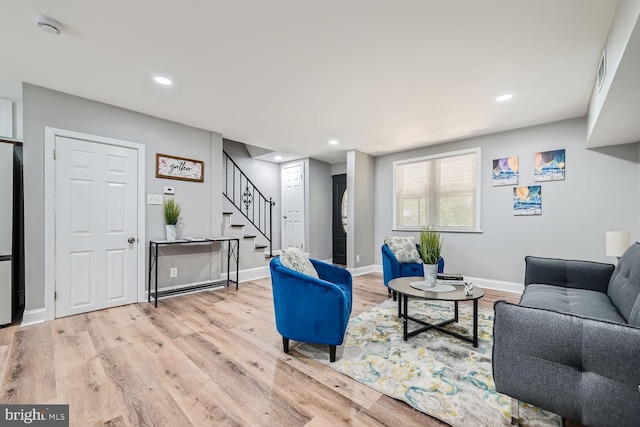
(357, 258)
(154, 199)
(169, 190)
(173, 272)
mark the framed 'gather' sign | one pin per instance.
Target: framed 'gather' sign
(181, 168)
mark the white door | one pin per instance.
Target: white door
(96, 216)
(293, 206)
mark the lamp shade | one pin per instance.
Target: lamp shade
(617, 242)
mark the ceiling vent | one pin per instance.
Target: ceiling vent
(48, 25)
(602, 69)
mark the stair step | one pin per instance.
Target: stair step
(237, 225)
(267, 256)
(248, 237)
(260, 247)
(227, 213)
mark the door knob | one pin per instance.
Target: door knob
(132, 240)
(284, 216)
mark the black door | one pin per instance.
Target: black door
(340, 219)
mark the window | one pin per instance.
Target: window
(441, 191)
(343, 210)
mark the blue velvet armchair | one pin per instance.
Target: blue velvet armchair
(309, 309)
(393, 269)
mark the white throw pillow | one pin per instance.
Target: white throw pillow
(404, 248)
(295, 259)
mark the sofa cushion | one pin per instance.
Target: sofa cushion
(404, 248)
(574, 301)
(624, 286)
(295, 259)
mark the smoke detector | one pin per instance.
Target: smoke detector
(48, 25)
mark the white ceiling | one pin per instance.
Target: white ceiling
(288, 75)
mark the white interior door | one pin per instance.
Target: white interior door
(96, 216)
(293, 206)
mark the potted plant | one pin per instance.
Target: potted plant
(430, 251)
(172, 211)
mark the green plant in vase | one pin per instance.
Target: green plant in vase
(430, 252)
(171, 210)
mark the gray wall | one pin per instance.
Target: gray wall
(201, 203)
(320, 243)
(623, 23)
(266, 176)
(339, 168)
(600, 193)
(360, 209)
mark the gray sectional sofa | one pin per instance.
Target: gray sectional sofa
(572, 345)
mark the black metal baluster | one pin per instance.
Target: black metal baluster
(246, 195)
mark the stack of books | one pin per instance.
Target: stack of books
(449, 279)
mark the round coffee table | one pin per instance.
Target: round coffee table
(403, 288)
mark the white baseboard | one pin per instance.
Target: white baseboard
(250, 274)
(33, 317)
(497, 285)
(358, 271)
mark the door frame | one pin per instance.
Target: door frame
(336, 216)
(305, 189)
(50, 135)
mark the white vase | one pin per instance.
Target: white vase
(172, 231)
(430, 272)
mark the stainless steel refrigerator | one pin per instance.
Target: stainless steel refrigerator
(7, 290)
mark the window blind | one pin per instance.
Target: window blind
(438, 192)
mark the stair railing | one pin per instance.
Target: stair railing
(246, 197)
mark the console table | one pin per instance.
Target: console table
(233, 250)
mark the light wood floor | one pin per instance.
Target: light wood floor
(206, 359)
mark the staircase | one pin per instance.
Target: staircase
(254, 226)
(253, 252)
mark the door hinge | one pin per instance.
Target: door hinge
(54, 154)
(55, 295)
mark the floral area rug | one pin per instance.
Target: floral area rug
(433, 372)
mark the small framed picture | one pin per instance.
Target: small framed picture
(174, 167)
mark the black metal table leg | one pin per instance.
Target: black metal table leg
(406, 316)
(150, 267)
(155, 259)
(456, 310)
(237, 263)
(400, 305)
(475, 322)
(228, 262)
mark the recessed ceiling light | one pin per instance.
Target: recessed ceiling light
(505, 97)
(334, 142)
(278, 158)
(163, 80)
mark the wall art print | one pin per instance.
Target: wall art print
(548, 166)
(181, 168)
(527, 200)
(505, 171)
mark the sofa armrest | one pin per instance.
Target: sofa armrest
(588, 275)
(575, 366)
(390, 265)
(332, 273)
